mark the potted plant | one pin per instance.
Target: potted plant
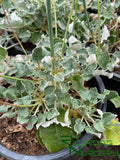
(110, 39)
(48, 89)
(30, 21)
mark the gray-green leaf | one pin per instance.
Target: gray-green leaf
(79, 126)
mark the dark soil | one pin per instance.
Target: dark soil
(1, 32)
(117, 70)
(15, 137)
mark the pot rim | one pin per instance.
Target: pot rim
(116, 77)
(17, 47)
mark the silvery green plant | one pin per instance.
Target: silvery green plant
(28, 18)
(47, 89)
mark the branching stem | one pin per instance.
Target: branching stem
(63, 44)
(14, 31)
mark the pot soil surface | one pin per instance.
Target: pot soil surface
(15, 137)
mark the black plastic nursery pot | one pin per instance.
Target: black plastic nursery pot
(112, 84)
(1, 15)
(16, 49)
(65, 153)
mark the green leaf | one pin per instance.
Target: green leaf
(103, 59)
(48, 66)
(90, 68)
(23, 101)
(36, 36)
(37, 55)
(117, 3)
(92, 49)
(87, 77)
(49, 90)
(44, 75)
(64, 87)
(82, 51)
(11, 72)
(24, 86)
(9, 114)
(108, 13)
(110, 94)
(52, 113)
(92, 130)
(77, 83)
(116, 101)
(24, 34)
(113, 97)
(76, 103)
(66, 100)
(41, 118)
(79, 126)
(29, 70)
(107, 118)
(11, 93)
(20, 88)
(59, 93)
(4, 108)
(68, 63)
(52, 135)
(110, 65)
(50, 99)
(57, 48)
(85, 95)
(61, 116)
(59, 77)
(2, 67)
(23, 112)
(2, 90)
(32, 121)
(117, 54)
(98, 125)
(94, 95)
(43, 85)
(41, 74)
(20, 69)
(61, 23)
(82, 59)
(28, 86)
(22, 120)
(3, 53)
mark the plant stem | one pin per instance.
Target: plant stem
(14, 32)
(76, 6)
(18, 79)
(99, 21)
(36, 111)
(55, 18)
(67, 26)
(86, 15)
(86, 122)
(12, 46)
(17, 105)
(49, 18)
